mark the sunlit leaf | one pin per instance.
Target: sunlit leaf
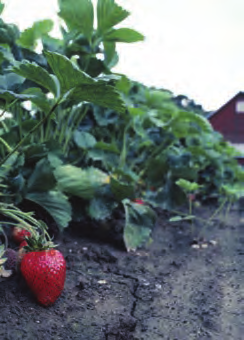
(126, 35)
(140, 220)
(39, 98)
(109, 14)
(78, 15)
(181, 218)
(35, 73)
(80, 182)
(10, 96)
(1, 8)
(68, 74)
(99, 94)
(3, 260)
(110, 53)
(30, 35)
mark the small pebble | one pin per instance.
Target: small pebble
(213, 242)
(195, 246)
(102, 282)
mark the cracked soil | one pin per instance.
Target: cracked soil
(168, 290)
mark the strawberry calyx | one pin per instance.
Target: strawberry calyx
(38, 242)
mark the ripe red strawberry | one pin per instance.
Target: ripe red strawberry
(23, 244)
(22, 251)
(139, 201)
(44, 272)
(19, 234)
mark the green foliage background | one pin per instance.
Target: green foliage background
(94, 137)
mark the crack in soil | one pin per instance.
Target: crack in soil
(133, 290)
(134, 304)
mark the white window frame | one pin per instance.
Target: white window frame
(240, 106)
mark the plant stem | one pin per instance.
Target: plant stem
(82, 116)
(217, 211)
(184, 214)
(190, 213)
(29, 133)
(228, 209)
(5, 144)
(5, 238)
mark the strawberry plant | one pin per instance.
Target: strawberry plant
(89, 140)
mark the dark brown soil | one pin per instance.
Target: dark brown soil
(167, 291)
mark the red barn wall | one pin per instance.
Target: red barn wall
(241, 161)
(229, 123)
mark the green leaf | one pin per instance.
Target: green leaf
(126, 35)
(233, 191)
(95, 67)
(181, 218)
(78, 15)
(108, 159)
(68, 74)
(121, 190)
(3, 260)
(9, 81)
(78, 182)
(42, 178)
(84, 139)
(56, 204)
(104, 117)
(139, 221)
(109, 52)
(54, 160)
(176, 219)
(187, 186)
(99, 94)
(5, 54)
(107, 147)
(2, 250)
(109, 14)
(29, 36)
(52, 44)
(35, 73)
(10, 96)
(39, 98)
(1, 8)
(34, 152)
(124, 85)
(100, 209)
